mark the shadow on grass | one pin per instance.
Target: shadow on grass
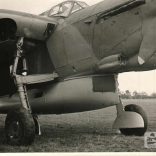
(69, 132)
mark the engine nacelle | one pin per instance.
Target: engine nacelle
(25, 25)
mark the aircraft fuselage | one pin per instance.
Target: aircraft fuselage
(107, 38)
(86, 37)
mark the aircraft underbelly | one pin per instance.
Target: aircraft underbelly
(78, 95)
(75, 95)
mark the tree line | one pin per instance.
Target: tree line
(136, 95)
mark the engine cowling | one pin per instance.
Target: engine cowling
(30, 26)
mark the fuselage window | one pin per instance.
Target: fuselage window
(76, 7)
(54, 11)
(62, 9)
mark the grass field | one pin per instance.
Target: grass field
(85, 132)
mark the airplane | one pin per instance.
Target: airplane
(67, 60)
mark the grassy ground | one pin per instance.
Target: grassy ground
(85, 132)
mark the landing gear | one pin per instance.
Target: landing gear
(135, 131)
(19, 124)
(131, 120)
(19, 127)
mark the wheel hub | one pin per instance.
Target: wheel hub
(15, 131)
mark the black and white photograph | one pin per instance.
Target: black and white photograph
(77, 76)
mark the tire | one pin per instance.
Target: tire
(19, 128)
(135, 131)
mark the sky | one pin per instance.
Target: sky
(34, 6)
(133, 81)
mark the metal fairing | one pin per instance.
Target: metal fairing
(73, 54)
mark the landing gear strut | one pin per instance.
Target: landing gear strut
(19, 124)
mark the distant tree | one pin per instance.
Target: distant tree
(128, 94)
(153, 95)
(123, 95)
(143, 95)
(135, 95)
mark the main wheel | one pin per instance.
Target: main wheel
(19, 127)
(136, 131)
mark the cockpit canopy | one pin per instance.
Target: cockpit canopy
(65, 9)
